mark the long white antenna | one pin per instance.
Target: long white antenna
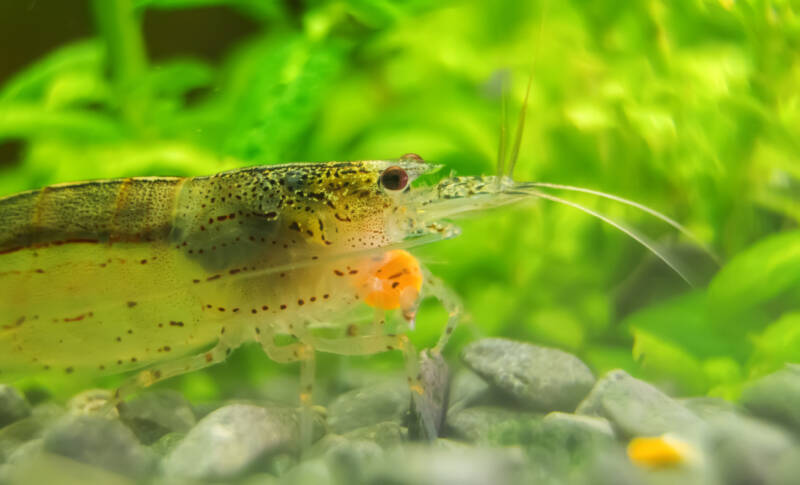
(642, 207)
(630, 232)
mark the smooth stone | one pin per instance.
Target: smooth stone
(388, 401)
(611, 466)
(101, 442)
(385, 435)
(256, 479)
(167, 443)
(26, 452)
(467, 389)
(347, 459)
(427, 410)
(776, 397)
(154, 414)
(787, 470)
(423, 464)
(31, 464)
(707, 407)
(16, 434)
(746, 450)
(13, 406)
(538, 378)
(314, 472)
(557, 444)
(579, 423)
(481, 424)
(231, 439)
(636, 408)
(279, 464)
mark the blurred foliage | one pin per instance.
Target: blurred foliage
(689, 106)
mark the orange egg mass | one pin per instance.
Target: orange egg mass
(390, 281)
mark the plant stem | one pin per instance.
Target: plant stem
(125, 54)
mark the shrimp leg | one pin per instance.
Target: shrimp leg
(304, 353)
(372, 344)
(159, 372)
(438, 289)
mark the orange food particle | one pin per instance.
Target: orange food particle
(658, 452)
(390, 282)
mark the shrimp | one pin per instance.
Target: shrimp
(166, 276)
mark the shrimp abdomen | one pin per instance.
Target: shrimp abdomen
(133, 209)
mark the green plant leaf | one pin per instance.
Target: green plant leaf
(31, 83)
(777, 345)
(759, 284)
(32, 121)
(257, 9)
(683, 323)
(668, 364)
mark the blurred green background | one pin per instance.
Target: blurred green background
(691, 107)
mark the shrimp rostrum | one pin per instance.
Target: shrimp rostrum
(168, 275)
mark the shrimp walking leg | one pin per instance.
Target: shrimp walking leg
(307, 368)
(159, 372)
(372, 344)
(304, 353)
(438, 289)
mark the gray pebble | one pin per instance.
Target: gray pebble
(776, 397)
(588, 424)
(483, 423)
(154, 414)
(386, 435)
(707, 407)
(746, 450)
(636, 408)
(167, 443)
(348, 459)
(314, 472)
(24, 430)
(366, 406)
(425, 465)
(538, 378)
(467, 389)
(787, 470)
(13, 405)
(100, 442)
(231, 439)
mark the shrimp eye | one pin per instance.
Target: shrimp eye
(394, 178)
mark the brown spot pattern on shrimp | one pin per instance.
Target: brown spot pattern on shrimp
(78, 318)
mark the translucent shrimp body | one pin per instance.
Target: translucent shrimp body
(173, 273)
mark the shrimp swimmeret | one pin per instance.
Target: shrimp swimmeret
(149, 273)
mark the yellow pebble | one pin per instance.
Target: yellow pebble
(659, 451)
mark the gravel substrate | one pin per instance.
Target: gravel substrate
(515, 413)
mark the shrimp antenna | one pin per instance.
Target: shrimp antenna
(636, 205)
(501, 148)
(524, 110)
(520, 127)
(630, 232)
